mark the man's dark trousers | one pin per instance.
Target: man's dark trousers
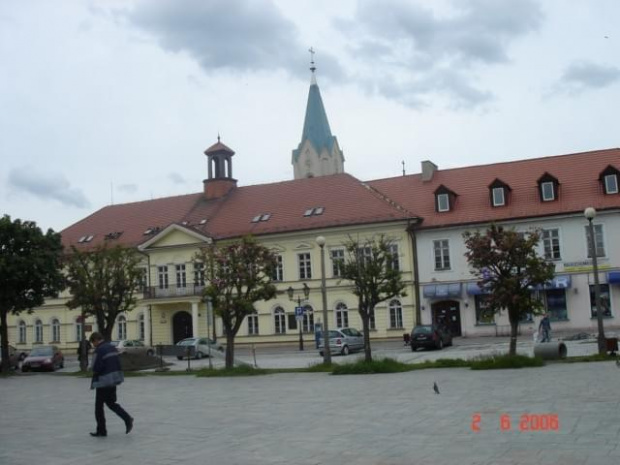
(107, 396)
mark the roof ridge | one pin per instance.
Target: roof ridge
(380, 195)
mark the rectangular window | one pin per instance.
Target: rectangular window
(199, 273)
(443, 202)
(555, 303)
(611, 184)
(337, 262)
(547, 189)
(605, 300)
(305, 268)
(394, 263)
(396, 316)
(598, 240)
(364, 255)
(307, 325)
(484, 314)
(292, 322)
(162, 274)
(181, 276)
(252, 324)
(22, 333)
(442, 254)
(551, 244)
(280, 321)
(498, 197)
(142, 280)
(278, 271)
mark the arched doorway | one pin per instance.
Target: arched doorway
(447, 312)
(181, 326)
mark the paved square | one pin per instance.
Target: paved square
(319, 419)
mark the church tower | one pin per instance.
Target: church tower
(318, 153)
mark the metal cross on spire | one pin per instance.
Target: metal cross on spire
(312, 52)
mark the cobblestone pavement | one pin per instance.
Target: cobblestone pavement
(322, 419)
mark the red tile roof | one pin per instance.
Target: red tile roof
(578, 175)
(346, 201)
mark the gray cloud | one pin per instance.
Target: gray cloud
(583, 75)
(176, 178)
(237, 35)
(435, 54)
(46, 186)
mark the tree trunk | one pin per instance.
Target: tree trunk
(366, 330)
(514, 328)
(230, 349)
(4, 337)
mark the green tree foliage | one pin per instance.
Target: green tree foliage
(370, 266)
(238, 275)
(103, 282)
(30, 264)
(508, 267)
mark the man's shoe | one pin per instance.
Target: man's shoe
(99, 435)
(129, 426)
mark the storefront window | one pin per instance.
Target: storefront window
(605, 301)
(484, 315)
(555, 303)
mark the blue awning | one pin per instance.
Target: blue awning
(474, 289)
(559, 282)
(439, 291)
(613, 277)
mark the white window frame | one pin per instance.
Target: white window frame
(599, 239)
(394, 264)
(22, 332)
(337, 258)
(121, 327)
(444, 250)
(342, 315)
(499, 197)
(304, 262)
(38, 331)
(253, 324)
(162, 277)
(278, 271)
(396, 314)
(611, 184)
(199, 273)
(549, 241)
(308, 319)
(279, 320)
(544, 190)
(55, 327)
(443, 202)
(181, 276)
(141, 327)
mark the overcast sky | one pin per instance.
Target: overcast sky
(114, 101)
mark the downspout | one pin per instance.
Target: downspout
(413, 223)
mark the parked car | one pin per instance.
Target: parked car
(343, 341)
(133, 346)
(46, 358)
(14, 358)
(430, 337)
(200, 345)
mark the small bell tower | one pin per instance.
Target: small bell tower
(220, 180)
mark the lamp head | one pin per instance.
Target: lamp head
(306, 291)
(320, 241)
(589, 213)
(290, 292)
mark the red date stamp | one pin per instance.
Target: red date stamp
(525, 422)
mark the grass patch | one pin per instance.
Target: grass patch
(386, 365)
(241, 370)
(505, 361)
(320, 368)
(590, 358)
(442, 363)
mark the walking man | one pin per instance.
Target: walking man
(545, 328)
(107, 375)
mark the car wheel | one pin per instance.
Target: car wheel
(321, 354)
(413, 348)
(345, 350)
(179, 357)
(199, 355)
(150, 353)
(440, 344)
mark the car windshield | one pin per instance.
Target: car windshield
(186, 342)
(333, 334)
(422, 330)
(41, 352)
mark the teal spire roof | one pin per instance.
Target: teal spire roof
(316, 126)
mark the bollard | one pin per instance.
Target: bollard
(550, 350)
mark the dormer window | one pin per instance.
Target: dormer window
(609, 180)
(548, 188)
(444, 199)
(498, 191)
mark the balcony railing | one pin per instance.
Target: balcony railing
(173, 291)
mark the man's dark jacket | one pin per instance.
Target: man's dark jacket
(106, 367)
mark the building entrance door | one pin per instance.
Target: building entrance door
(181, 326)
(447, 313)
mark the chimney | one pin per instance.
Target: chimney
(428, 169)
(216, 188)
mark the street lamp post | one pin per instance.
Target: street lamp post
(590, 214)
(209, 302)
(327, 355)
(291, 295)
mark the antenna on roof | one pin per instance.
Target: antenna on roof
(403, 162)
(218, 136)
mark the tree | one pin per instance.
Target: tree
(238, 274)
(30, 264)
(370, 265)
(509, 268)
(103, 282)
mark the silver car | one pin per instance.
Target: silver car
(133, 346)
(343, 341)
(200, 345)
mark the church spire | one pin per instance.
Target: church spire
(318, 153)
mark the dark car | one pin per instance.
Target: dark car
(14, 358)
(430, 337)
(44, 358)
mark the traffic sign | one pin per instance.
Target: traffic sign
(299, 313)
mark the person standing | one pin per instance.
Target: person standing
(107, 374)
(545, 328)
(82, 352)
